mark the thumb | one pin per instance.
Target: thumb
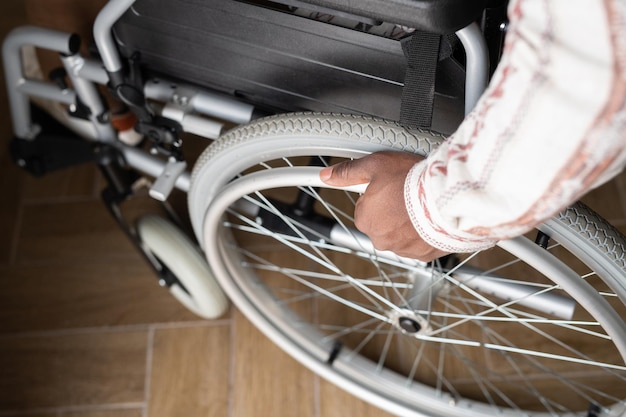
(346, 173)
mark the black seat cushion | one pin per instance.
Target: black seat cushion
(438, 16)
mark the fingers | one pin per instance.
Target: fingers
(381, 212)
(364, 170)
(347, 173)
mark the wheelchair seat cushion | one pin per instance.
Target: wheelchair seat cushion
(438, 16)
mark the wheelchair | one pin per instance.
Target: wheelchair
(281, 89)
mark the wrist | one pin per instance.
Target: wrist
(428, 222)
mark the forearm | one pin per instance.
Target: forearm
(549, 128)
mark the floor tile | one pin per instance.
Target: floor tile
(336, 402)
(79, 230)
(33, 414)
(72, 370)
(267, 382)
(10, 185)
(134, 412)
(75, 182)
(190, 370)
(79, 295)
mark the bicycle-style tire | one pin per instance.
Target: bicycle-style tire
(444, 348)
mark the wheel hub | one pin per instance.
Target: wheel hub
(409, 322)
(409, 325)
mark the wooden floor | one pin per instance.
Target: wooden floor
(85, 331)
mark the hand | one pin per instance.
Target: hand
(380, 212)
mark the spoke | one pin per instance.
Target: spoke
(553, 356)
(321, 244)
(529, 387)
(255, 229)
(330, 208)
(559, 343)
(441, 359)
(503, 308)
(573, 385)
(478, 317)
(416, 362)
(383, 274)
(602, 293)
(483, 383)
(383, 356)
(568, 324)
(357, 328)
(322, 258)
(325, 292)
(280, 238)
(341, 300)
(350, 231)
(365, 291)
(372, 282)
(421, 360)
(577, 387)
(310, 295)
(365, 341)
(290, 223)
(531, 319)
(493, 306)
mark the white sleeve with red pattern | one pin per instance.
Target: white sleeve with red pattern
(551, 126)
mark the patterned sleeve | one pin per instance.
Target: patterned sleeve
(550, 127)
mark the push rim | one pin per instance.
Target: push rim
(314, 348)
(285, 137)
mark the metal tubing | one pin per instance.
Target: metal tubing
(359, 242)
(527, 295)
(61, 42)
(34, 88)
(477, 67)
(201, 126)
(151, 165)
(222, 107)
(103, 37)
(548, 303)
(89, 95)
(204, 102)
(191, 123)
(93, 71)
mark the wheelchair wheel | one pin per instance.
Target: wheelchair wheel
(518, 330)
(194, 286)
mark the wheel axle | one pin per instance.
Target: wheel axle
(409, 325)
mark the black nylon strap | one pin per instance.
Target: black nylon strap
(422, 53)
